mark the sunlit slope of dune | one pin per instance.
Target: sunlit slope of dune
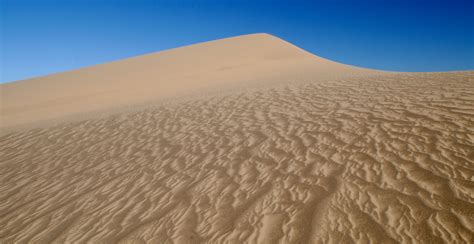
(315, 152)
(225, 64)
(386, 159)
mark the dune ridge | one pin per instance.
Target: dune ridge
(345, 155)
(222, 65)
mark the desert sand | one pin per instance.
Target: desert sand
(241, 140)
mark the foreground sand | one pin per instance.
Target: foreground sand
(378, 157)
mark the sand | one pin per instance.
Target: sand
(241, 140)
(217, 66)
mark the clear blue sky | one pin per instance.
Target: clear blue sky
(43, 37)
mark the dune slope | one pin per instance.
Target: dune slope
(346, 156)
(222, 65)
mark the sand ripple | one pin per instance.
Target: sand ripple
(382, 159)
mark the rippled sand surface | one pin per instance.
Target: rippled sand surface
(375, 159)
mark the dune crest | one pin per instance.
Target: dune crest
(221, 65)
(347, 155)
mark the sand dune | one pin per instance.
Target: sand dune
(289, 148)
(216, 66)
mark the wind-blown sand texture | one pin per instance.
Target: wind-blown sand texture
(310, 151)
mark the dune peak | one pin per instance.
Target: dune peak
(248, 139)
(242, 61)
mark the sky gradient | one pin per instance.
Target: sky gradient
(43, 37)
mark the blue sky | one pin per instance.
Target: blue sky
(49, 36)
